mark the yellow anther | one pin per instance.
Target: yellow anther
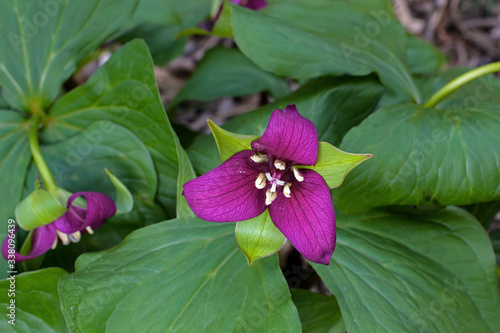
(64, 237)
(297, 174)
(286, 190)
(270, 196)
(260, 182)
(75, 237)
(54, 245)
(259, 158)
(89, 230)
(280, 165)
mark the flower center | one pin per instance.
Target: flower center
(70, 238)
(275, 175)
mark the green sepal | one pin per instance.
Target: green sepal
(230, 143)
(124, 201)
(259, 237)
(334, 164)
(194, 31)
(223, 27)
(38, 209)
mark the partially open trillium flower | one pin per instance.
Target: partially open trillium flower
(270, 177)
(68, 227)
(251, 4)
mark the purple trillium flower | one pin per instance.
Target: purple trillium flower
(70, 225)
(251, 4)
(267, 176)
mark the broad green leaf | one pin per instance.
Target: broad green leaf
(124, 92)
(124, 201)
(318, 313)
(423, 156)
(36, 302)
(222, 27)
(227, 72)
(159, 22)
(230, 143)
(333, 105)
(424, 58)
(304, 39)
(187, 275)
(45, 40)
(259, 237)
(15, 157)
(334, 164)
(186, 173)
(38, 209)
(484, 212)
(414, 272)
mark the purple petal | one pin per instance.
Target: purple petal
(228, 192)
(252, 4)
(307, 218)
(99, 208)
(43, 239)
(289, 137)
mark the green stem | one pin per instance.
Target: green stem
(460, 81)
(37, 155)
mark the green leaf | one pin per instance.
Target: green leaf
(230, 143)
(423, 156)
(38, 209)
(334, 164)
(45, 40)
(259, 237)
(124, 200)
(15, 157)
(414, 272)
(36, 302)
(305, 39)
(424, 58)
(227, 72)
(188, 276)
(124, 92)
(222, 27)
(334, 105)
(495, 240)
(484, 212)
(159, 22)
(318, 313)
(186, 173)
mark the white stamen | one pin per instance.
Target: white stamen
(75, 237)
(260, 182)
(89, 230)
(286, 190)
(64, 237)
(273, 187)
(270, 196)
(280, 165)
(54, 245)
(259, 158)
(297, 174)
(280, 182)
(268, 176)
